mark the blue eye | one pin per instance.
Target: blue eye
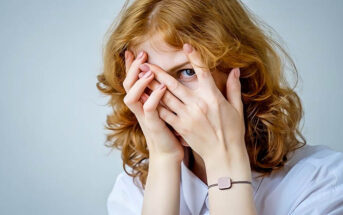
(188, 73)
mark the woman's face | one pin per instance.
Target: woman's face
(176, 64)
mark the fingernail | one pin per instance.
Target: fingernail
(162, 86)
(147, 74)
(144, 67)
(140, 55)
(188, 48)
(141, 74)
(237, 72)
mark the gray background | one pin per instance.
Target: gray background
(52, 154)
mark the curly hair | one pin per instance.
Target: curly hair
(227, 35)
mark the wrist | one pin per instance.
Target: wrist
(166, 157)
(163, 170)
(234, 164)
(163, 161)
(234, 153)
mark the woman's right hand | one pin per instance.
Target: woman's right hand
(161, 141)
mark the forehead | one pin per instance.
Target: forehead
(160, 53)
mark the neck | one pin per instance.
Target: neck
(195, 163)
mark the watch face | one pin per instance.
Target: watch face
(224, 183)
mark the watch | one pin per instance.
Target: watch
(226, 183)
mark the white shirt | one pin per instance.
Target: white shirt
(311, 182)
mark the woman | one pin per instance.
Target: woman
(204, 118)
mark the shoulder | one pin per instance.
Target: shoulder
(322, 170)
(126, 196)
(312, 164)
(311, 181)
(321, 163)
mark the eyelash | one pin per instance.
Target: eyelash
(180, 71)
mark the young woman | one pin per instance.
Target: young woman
(204, 118)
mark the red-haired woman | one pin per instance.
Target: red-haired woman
(204, 117)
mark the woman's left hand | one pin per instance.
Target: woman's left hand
(212, 125)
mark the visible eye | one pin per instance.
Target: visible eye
(186, 74)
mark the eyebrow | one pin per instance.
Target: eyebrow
(177, 67)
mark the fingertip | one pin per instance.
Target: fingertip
(162, 87)
(144, 67)
(127, 55)
(238, 75)
(233, 84)
(187, 48)
(231, 77)
(140, 75)
(237, 72)
(128, 58)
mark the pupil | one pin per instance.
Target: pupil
(189, 72)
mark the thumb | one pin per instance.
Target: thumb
(233, 90)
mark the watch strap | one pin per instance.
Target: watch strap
(226, 183)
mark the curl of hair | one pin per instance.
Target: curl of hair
(227, 35)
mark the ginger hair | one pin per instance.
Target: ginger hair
(227, 35)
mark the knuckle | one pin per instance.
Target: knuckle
(167, 97)
(127, 100)
(197, 117)
(202, 106)
(165, 116)
(173, 84)
(184, 130)
(125, 85)
(148, 108)
(172, 104)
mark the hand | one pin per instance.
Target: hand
(209, 123)
(160, 140)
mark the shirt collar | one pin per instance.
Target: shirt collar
(195, 190)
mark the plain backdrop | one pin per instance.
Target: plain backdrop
(52, 154)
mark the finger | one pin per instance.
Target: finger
(168, 117)
(175, 87)
(144, 97)
(128, 60)
(233, 90)
(133, 95)
(203, 73)
(151, 104)
(168, 101)
(132, 69)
